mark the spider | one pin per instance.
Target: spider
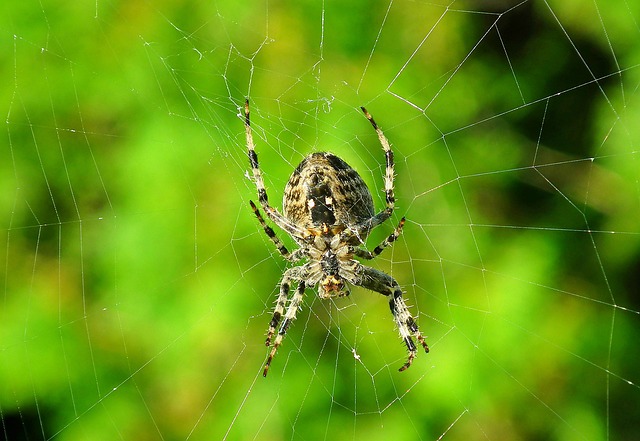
(329, 212)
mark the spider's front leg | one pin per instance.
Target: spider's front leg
(289, 316)
(378, 281)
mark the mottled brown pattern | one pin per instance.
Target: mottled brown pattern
(351, 199)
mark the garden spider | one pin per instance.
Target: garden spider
(328, 211)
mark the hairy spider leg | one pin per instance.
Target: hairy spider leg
(378, 281)
(272, 213)
(388, 180)
(289, 317)
(269, 232)
(291, 274)
(366, 254)
(290, 256)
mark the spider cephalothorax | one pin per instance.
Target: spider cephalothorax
(328, 211)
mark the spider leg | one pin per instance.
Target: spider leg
(281, 302)
(289, 317)
(291, 257)
(272, 213)
(378, 281)
(366, 254)
(388, 179)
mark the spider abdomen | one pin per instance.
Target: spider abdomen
(324, 189)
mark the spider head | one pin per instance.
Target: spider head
(332, 285)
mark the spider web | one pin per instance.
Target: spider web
(138, 285)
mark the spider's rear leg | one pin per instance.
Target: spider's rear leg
(366, 254)
(378, 281)
(271, 212)
(389, 177)
(289, 317)
(290, 256)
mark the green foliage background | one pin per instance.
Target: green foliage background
(137, 285)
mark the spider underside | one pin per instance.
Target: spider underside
(329, 213)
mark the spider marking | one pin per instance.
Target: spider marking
(329, 213)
